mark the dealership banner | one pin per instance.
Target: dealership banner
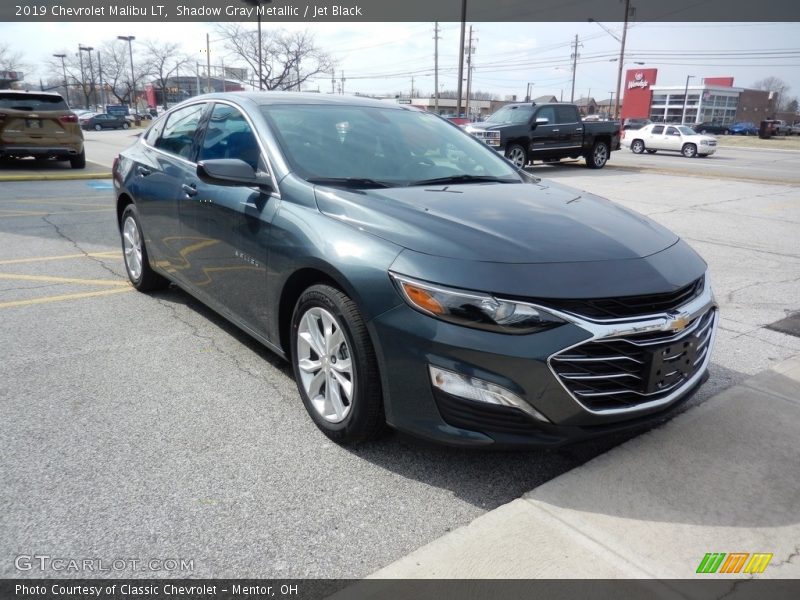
(741, 588)
(394, 10)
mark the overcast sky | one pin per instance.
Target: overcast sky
(508, 55)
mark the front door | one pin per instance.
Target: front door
(231, 224)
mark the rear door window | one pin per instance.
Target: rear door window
(565, 114)
(657, 130)
(179, 131)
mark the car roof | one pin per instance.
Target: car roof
(279, 97)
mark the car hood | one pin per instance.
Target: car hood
(699, 138)
(508, 223)
(484, 126)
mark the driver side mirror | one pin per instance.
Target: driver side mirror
(231, 172)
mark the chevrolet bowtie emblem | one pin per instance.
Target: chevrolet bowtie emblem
(678, 322)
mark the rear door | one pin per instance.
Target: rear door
(164, 160)
(655, 138)
(572, 128)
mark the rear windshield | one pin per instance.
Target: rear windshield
(17, 101)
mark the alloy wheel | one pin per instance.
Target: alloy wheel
(132, 245)
(517, 156)
(327, 372)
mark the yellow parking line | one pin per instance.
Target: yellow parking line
(51, 279)
(60, 203)
(16, 261)
(15, 200)
(47, 299)
(65, 212)
(21, 212)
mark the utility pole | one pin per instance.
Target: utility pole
(64, 70)
(412, 87)
(611, 103)
(435, 67)
(100, 77)
(622, 57)
(461, 56)
(83, 80)
(341, 89)
(333, 81)
(197, 76)
(470, 51)
(223, 75)
(574, 58)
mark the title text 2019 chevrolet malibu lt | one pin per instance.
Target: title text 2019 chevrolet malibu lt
(412, 275)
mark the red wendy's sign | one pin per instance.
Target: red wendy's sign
(637, 93)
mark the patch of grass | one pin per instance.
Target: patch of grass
(753, 141)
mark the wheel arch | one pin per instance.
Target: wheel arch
(122, 203)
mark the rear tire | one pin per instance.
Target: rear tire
(335, 366)
(598, 157)
(78, 161)
(134, 252)
(637, 146)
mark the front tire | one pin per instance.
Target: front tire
(335, 366)
(598, 157)
(637, 146)
(689, 150)
(134, 250)
(517, 155)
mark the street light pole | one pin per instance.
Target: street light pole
(129, 39)
(257, 4)
(92, 88)
(461, 57)
(685, 98)
(64, 70)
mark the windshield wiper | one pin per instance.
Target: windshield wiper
(352, 182)
(464, 179)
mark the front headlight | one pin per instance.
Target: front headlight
(704, 142)
(474, 309)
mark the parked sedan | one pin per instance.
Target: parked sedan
(712, 128)
(411, 275)
(104, 121)
(743, 129)
(672, 138)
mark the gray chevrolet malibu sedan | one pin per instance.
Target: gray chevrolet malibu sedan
(412, 276)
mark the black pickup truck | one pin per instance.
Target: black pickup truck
(548, 132)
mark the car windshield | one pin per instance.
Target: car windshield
(686, 130)
(26, 101)
(511, 114)
(370, 146)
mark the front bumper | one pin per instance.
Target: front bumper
(408, 342)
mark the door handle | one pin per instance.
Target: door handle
(579, 129)
(555, 130)
(143, 171)
(189, 190)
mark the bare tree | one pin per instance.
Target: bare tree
(776, 85)
(117, 70)
(78, 84)
(165, 61)
(10, 61)
(289, 59)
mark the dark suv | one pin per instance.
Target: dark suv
(41, 125)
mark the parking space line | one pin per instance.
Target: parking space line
(17, 261)
(20, 213)
(63, 212)
(15, 200)
(48, 299)
(53, 279)
(60, 203)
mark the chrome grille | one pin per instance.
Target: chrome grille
(624, 372)
(491, 138)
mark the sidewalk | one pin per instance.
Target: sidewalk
(31, 170)
(722, 477)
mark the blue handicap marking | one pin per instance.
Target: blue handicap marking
(100, 184)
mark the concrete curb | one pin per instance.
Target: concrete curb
(721, 477)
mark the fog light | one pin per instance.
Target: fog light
(479, 390)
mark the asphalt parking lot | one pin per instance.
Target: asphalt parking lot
(146, 426)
